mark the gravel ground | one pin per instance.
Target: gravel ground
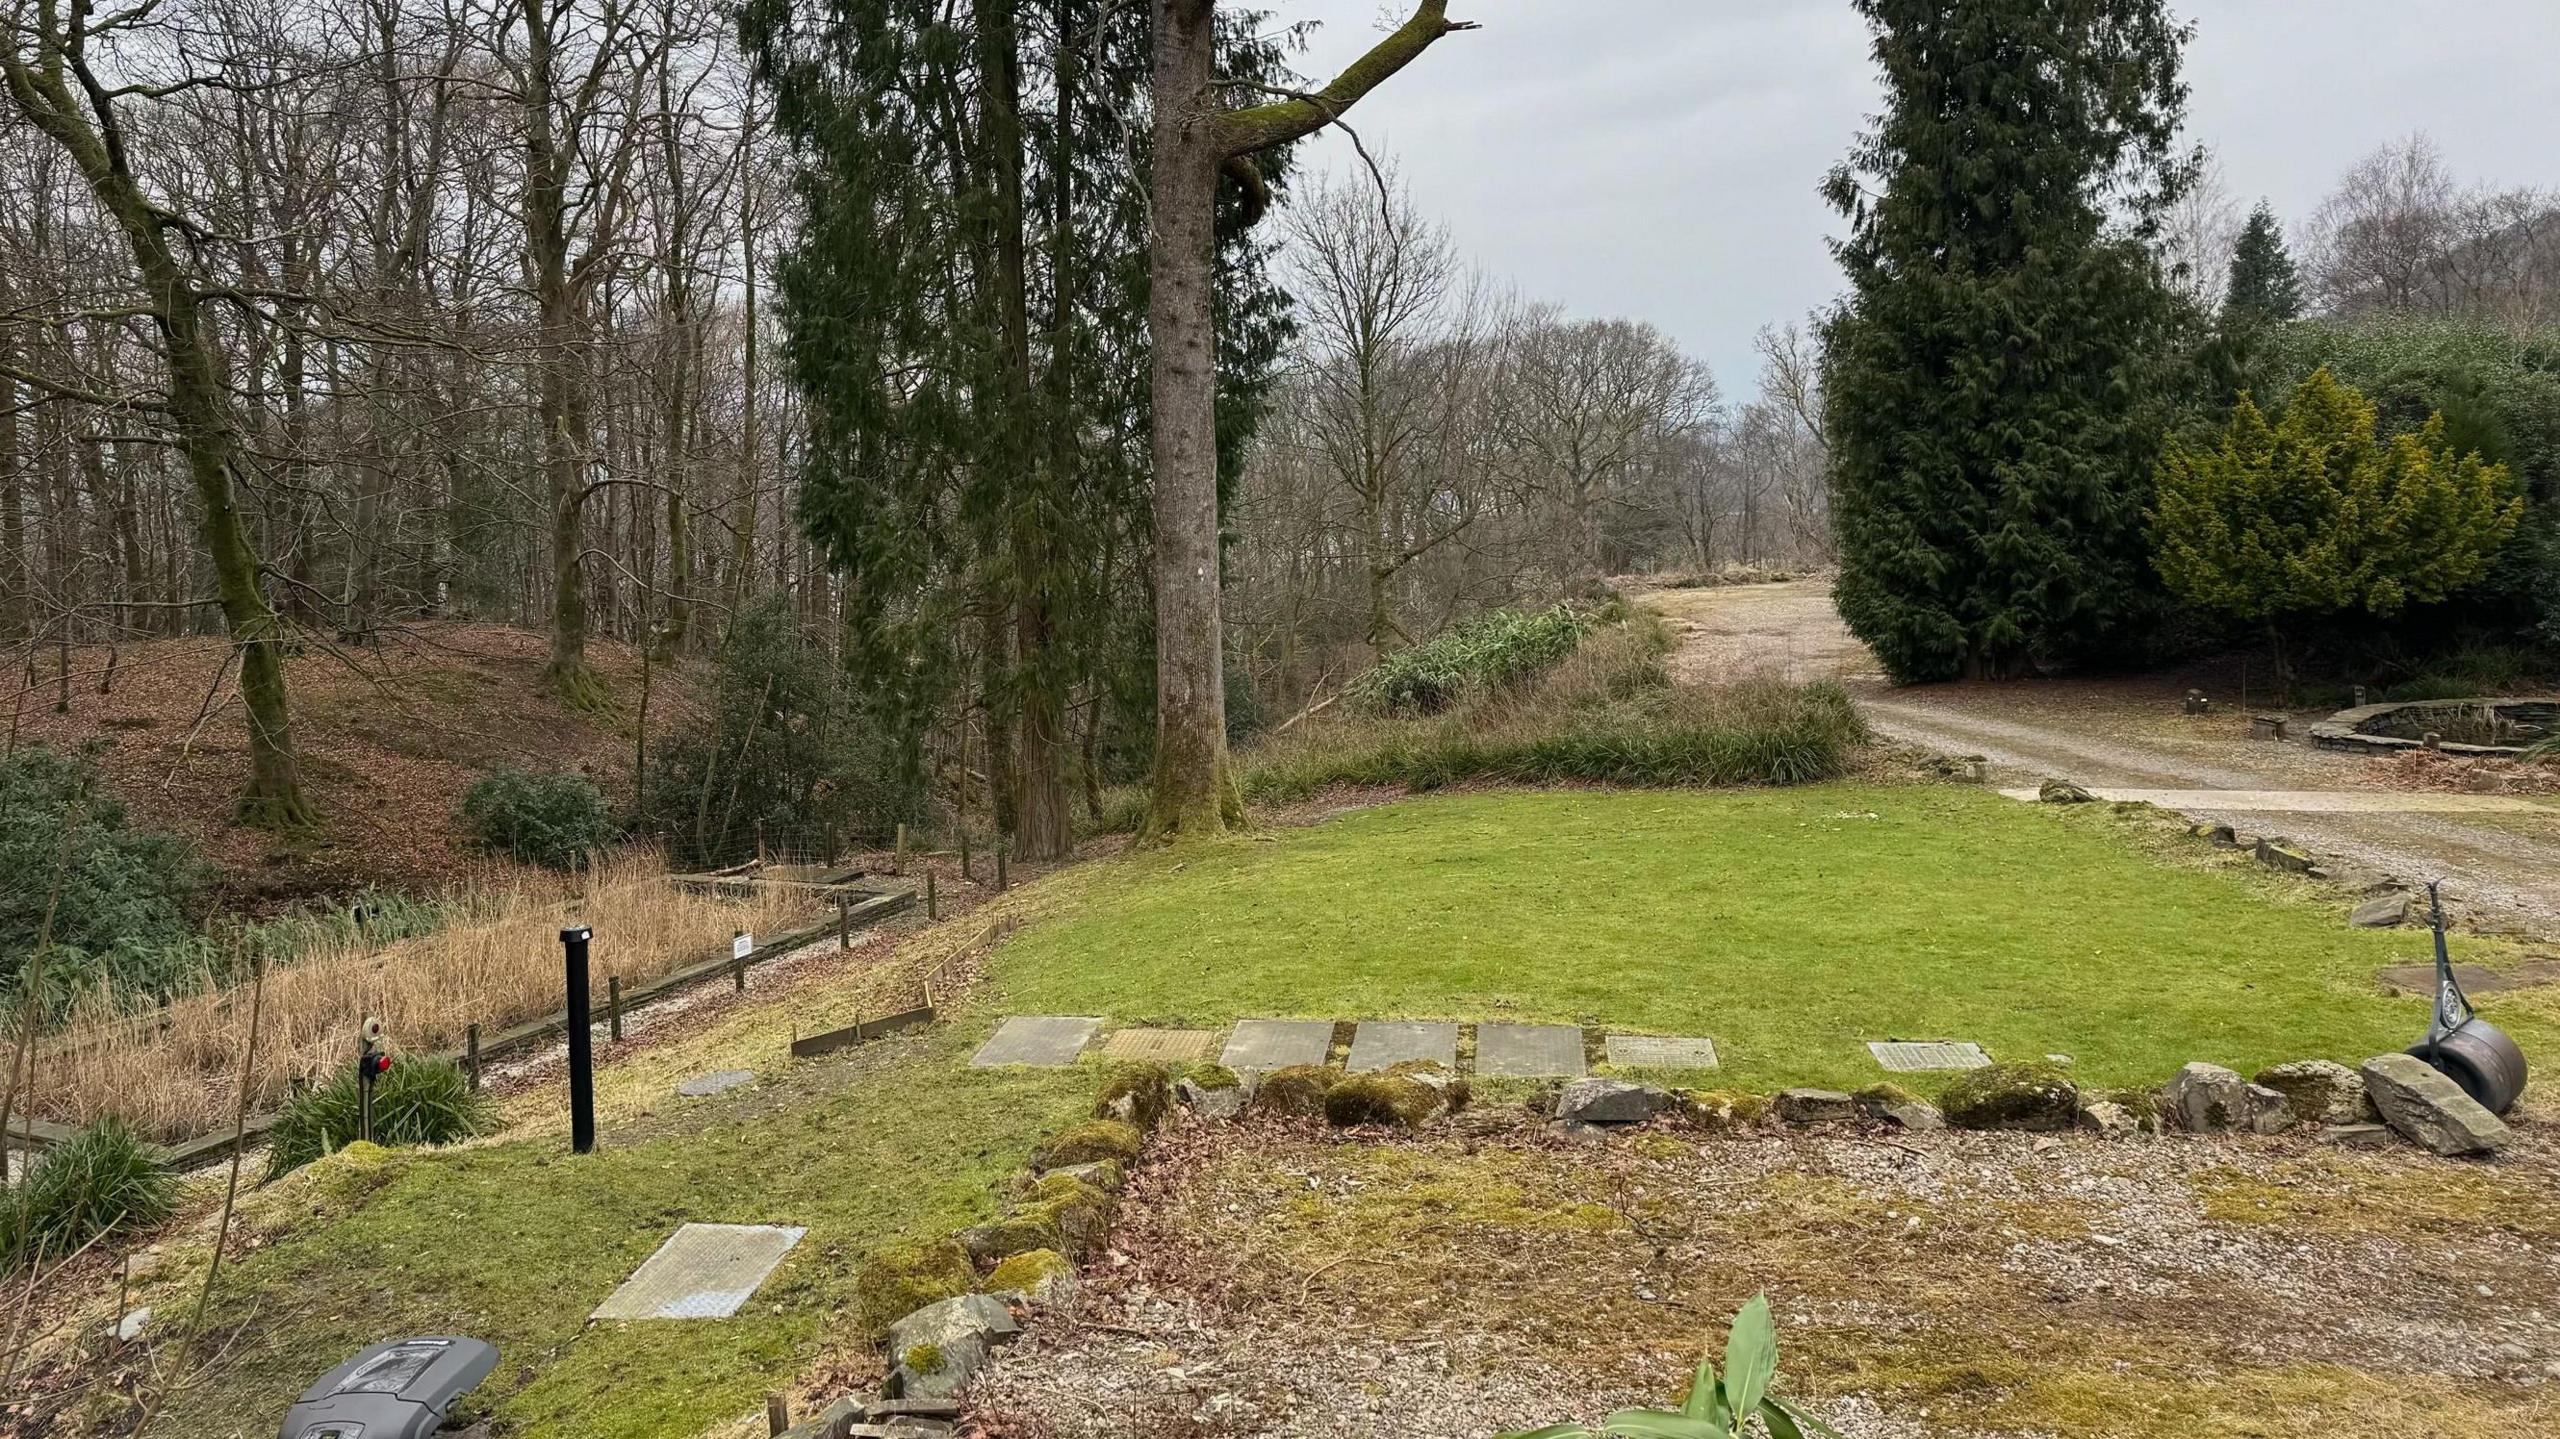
(1275, 1281)
(2131, 733)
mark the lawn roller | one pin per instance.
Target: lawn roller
(2461, 1045)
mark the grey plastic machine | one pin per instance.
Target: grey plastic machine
(398, 1389)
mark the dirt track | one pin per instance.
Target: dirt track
(2132, 733)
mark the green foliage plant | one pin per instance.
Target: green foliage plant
(1719, 1406)
(550, 818)
(2317, 514)
(1488, 652)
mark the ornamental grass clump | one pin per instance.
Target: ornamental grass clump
(102, 1180)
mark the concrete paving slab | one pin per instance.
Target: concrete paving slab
(2282, 801)
(1041, 1041)
(1160, 1046)
(703, 1271)
(718, 1081)
(1528, 1051)
(1661, 1051)
(1903, 1056)
(1380, 1043)
(1261, 1045)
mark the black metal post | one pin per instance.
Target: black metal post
(582, 1064)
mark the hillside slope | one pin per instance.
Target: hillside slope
(390, 737)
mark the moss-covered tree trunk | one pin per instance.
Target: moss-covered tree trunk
(1197, 137)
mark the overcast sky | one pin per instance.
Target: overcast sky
(1657, 158)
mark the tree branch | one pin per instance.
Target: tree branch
(1259, 127)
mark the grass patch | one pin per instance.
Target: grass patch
(1790, 925)
(1607, 713)
(514, 1243)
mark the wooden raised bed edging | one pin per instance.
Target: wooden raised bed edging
(204, 1148)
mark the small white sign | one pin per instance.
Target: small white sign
(742, 946)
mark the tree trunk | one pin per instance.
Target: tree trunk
(1195, 789)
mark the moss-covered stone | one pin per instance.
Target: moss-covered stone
(1213, 1076)
(893, 1282)
(1393, 1099)
(1294, 1093)
(1041, 1276)
(1080, 1213)
(1455, 1091)
(2034, 1095)
(1724, 1111)
(1138, 1094)
(1884, 1093)
(1112, 1139)
(1019, 1231)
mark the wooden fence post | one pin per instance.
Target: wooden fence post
(471, 1055)
(932, 909)
(613, 1005)
(899, 866)
(1001, 881)
(777, 1414)
(844, 922)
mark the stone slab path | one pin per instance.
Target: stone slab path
(1042, 1041)
(1161, 1046)
(1383, 1043)
(1529, 1051)
(1261, 1045)
(2312, 801)
(1657, 1051)
(703, 1271)
(1903, 1056)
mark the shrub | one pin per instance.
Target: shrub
(2319, 514)
(781, 748)
(102, 1180)
(551, 818)
(1485, 653)
(122, 920)
(417, 1102)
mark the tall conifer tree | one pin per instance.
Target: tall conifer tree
(2264, 286)
(1993, 380)
(964, 315)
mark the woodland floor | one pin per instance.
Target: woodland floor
(390, 736)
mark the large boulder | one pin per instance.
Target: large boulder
(2422, 1105)
(2034, 1096)
(2320, 1091)
(2209, 1099)
(1610, 1101)
(940, 1347)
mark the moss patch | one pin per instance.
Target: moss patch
(1294, 1093)
(1391, 1099)
(2034, 1095)
(1092, 1140)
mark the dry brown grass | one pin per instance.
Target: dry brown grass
(173, 1074)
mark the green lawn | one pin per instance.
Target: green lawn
(1790, 925)
(515, 1243)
